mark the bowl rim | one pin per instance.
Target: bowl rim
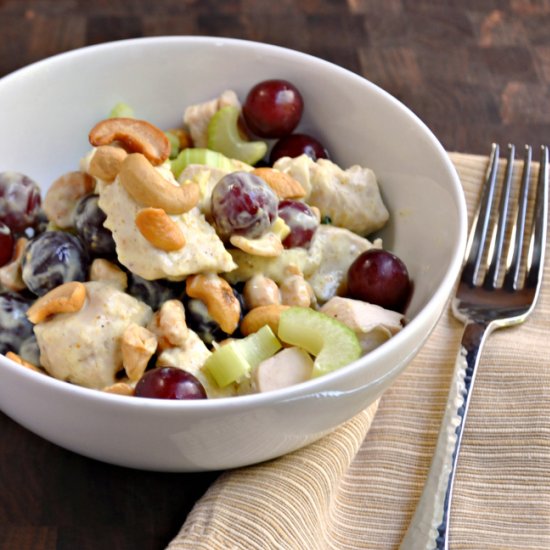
(317, 386)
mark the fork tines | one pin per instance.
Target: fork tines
(507, 229)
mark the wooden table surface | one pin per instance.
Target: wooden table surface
(475, 71)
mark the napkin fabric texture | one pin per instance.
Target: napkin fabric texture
(358, 487)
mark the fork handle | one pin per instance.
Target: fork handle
(429, 528)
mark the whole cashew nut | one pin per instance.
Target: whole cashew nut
(217, 294)
(146, 186)
(66, 298)
(136, 135)
(106, 162)
(160, 229)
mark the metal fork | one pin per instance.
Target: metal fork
(495, 290)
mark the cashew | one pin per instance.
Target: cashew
(268, 245)
(283, 184)
(105, 271)
(258, 317)
(20, 361)
(10, 274)
(62, 197)
(66, 298)
(260, 290)
(119, 388)
(106, 162)
(218, 297)
(296, 291)
(169, 326)
(137, 346)
(136, 135)
(160, 229)
(145, 185)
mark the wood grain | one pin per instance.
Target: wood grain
(475, 71)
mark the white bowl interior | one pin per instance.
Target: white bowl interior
(48, 109)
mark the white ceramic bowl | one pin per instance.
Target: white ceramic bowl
(47, 111)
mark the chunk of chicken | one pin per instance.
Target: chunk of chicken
(85, 347)
(372, 324)
(206, 178)
(203, 251)
(350, 198)
(197, 117)
(286, 368)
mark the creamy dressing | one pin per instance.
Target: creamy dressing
(203, 252)
(84, 347)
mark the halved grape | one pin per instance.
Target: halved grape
(224, 137)
(381, 278)
(295, 145)
(19, 201)
(273, 108)
(53, 258)
(243, 204)
(302, 222)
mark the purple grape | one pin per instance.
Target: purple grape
(169, 383)
(295, 145)
(6, 244)
(14, 325)
(53, 258)
(88, 222)
(273, 108)
(243, 204)
(19, 201)
(379, 277)
(152, 293)
(302, 222)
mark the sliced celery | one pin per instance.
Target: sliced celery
(122, 110)
(234, 361)
(223, 136)
(197, 155)
(333, 344)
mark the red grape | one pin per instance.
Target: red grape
(53, 258)
(243, 204)
(19, 201)
(273, 108)
(88, 222)
(295, 145)
(169, 383)
(379, 277)
(6, 244)
(301, 220)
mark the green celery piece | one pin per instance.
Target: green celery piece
(198, 155)
(235, 360)
(223, 136)
(333, 344)
(122, 110)
(174, 144)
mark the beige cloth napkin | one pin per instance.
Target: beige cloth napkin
(350, 491)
